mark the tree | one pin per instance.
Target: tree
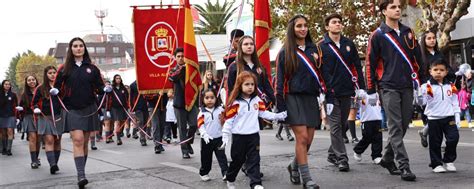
(214, 17)
(11, 72)
(32, 64)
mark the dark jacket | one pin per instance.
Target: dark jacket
(43, 103)
(338, 79)
(230, 58)
(79, 89)
(177, 76)
(27, 104)
(8, 104)
(385, 66)
(300, 82)
(153, 99)
(141, 104)
(262, 81)
(122, 94)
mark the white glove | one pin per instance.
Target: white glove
(19, 108)
(329, 108)
(101, 118)
(206, 137)
(457, 119)
(108, 89)
(281, 116)
(360, 93)
(37, 111)
(225, 140)
(53, 91)
(372, 99)
(17, 121)
(321, 98)
(108, 114)
(420, 100)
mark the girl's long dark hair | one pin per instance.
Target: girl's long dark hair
(291, 62)
(203, 93)
(238, 87)
(240, 56)
(45, 87)
(70, 59)
(3, 98)
(114, 84)
(424, 51)
(27, 91)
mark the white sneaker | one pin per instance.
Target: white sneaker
(439, 169)
(258, 187)
(357, 157)
(230, 185)
(377, 160)
(205, 178)
(450, 167)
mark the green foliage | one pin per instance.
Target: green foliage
(214, 17)
(31, 64)
(11, 71)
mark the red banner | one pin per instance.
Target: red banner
(156, 36)
(263, 24)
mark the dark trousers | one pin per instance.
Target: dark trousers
(245, 149)
(371, 134)
(206, 156)
(337, 120)
(398, 105)
(185, 119)
(171, 130)
(158, 125)
(142, 117)
(436, 129)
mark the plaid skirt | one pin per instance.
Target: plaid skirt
(7, 122)
(46, 126)
(82, 119)
(29, 124)
(303, 110)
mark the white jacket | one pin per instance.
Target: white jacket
(368, 112)
(441, 100)
(209, 122)
(242, 116)
(170, 117)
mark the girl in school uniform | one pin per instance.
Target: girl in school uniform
(8, 121)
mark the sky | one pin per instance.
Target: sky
(39, 25)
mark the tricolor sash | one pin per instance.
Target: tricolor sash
(312, 69)
(401, 50)
(349, 67)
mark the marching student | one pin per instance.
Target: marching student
(210, 119)
(77, 83)
(116, 106)
(342, 73)
(243, 109)
(443, 112)
(235, 36)
(171, 129)
(107, 117)
(140, 110)
(48, 112)
(8, 114)
(299, 84)
(28, 123)
(392, 67)
(371, 118)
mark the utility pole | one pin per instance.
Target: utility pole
(101, 14)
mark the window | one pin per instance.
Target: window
(115, 50)
(100, 60)
(100, 49)
(91, 49)
(116, 60)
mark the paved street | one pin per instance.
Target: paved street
(131, 165)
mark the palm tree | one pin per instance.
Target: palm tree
(214, 17)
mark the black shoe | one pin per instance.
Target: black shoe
(290, 138)
(244, 170)
(407, 175)
(161, 148)
(168, 140)
(158, 150)
(391, 167)
(143, 142)
(294, 175)
(128, 135)
(343, 166)
(310, 185)
(22, 136)
(119, 142)
(424, 141)
(346, 140)
(135, 136)
(9, 153)
(186, 156)
(333, 160)
(38, 162)
(191, 151)
(53, 169)
(34, 165)
(82, 183)
(355, 140)
(279, 137)
(4, 152)
(93, 148)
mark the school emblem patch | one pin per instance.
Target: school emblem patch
(348, 48)
(255, 106)
(88, 70)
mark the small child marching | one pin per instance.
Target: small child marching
(210, 128)
(371, 118)
(243, 109)
(442, 109)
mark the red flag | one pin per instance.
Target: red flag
(263, 23)
(193, 78)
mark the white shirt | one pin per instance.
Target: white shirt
(368, 112)
(170, 117)
(78, 63)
